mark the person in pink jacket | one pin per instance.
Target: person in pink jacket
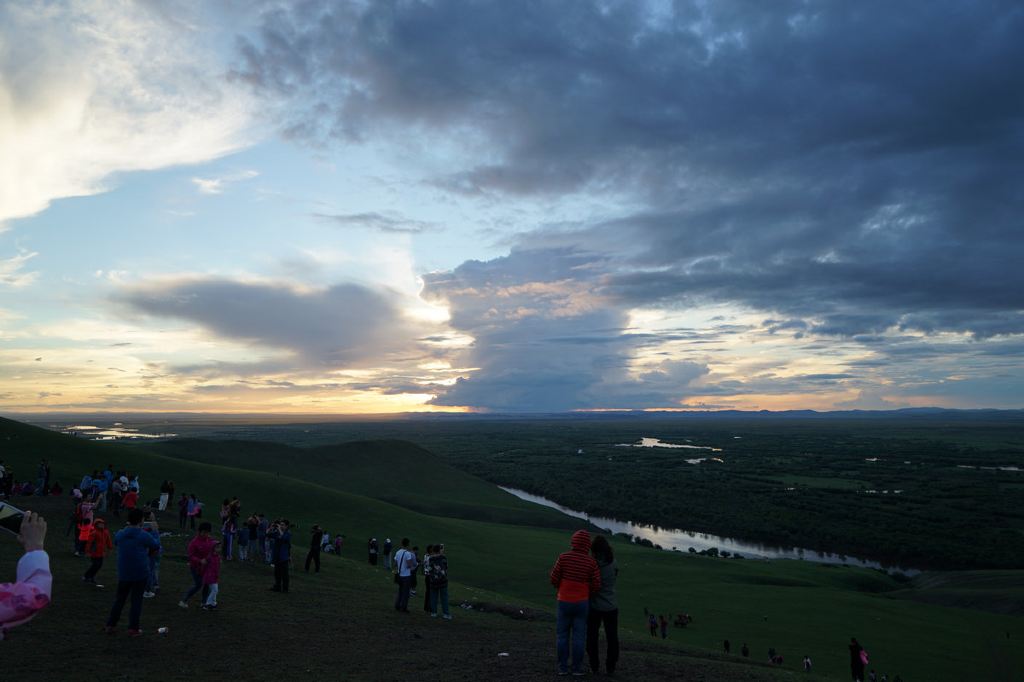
(211, 579)
(21, 600)
(199, 551)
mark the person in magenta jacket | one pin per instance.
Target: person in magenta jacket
(211, 579)
(199, 551)
(21, 600)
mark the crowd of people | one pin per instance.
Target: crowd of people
(584, 577)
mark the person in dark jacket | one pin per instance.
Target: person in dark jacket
(438, 582)
(856, 662)
(133, 545)
(315, 541)
(371, 547)
(604, 609)
(577, 577)
(281, 536)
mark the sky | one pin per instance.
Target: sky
(330, 206)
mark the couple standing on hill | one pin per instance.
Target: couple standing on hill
(586, 600)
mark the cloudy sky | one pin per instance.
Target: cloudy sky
(350, 207)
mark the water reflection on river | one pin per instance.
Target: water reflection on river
(682, 540)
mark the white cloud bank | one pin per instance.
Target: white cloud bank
(88, 89)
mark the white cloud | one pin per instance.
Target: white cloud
(216, 185)
(10, 270)
(88, 89)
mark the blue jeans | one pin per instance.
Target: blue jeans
(197, 584)
(441, 592)
(572, 615)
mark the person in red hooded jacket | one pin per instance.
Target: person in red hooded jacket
(199, 551)
(96, 547)
(576, 576)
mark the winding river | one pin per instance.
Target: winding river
(682, 540)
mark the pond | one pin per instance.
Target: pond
(657, 443)
(681, 540)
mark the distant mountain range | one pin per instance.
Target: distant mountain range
(198, 417)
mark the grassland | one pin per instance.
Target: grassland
(343, 621)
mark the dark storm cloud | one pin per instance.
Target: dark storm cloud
(856, 163)
(543, 342)
(344, 325)
(851, 169)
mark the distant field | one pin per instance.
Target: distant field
(795, 607)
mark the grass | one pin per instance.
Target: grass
(795, 607)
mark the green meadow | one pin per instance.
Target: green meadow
(940, 626)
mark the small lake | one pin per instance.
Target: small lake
(658, 443)
(682, 540)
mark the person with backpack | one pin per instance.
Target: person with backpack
(858, 660)
(438, 581)
(405, 568)
(576, 576)
(96, 548)
(604, 609)
(133, 545)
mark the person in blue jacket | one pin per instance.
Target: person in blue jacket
(133, 546)
(282, 554)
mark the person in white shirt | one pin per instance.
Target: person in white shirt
(405, 565)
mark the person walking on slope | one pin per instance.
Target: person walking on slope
(133, 545)
(371, 547)
(96, 547)
(200, 550)
(387, 553)
(576, 576)
(604, 609)
(281, 536)
(315, 543)
(405, 565)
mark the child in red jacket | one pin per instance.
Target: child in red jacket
(97, 545)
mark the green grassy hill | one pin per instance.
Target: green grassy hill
(389, 470)
(795, 607)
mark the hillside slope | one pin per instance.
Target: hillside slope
(388, 470)
(336, 625)
(795, 607)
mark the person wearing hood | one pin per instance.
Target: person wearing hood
(200, 550)
(133, 545)
(96, 547)
(576, 576)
